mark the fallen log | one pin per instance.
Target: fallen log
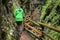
(45, 25)
(50, 27)
(36, 30)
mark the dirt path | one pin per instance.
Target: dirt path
(25, 36)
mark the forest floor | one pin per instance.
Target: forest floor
(25, 36)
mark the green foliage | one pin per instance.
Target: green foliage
(51, 17)
(44, 8)
(53, 12)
